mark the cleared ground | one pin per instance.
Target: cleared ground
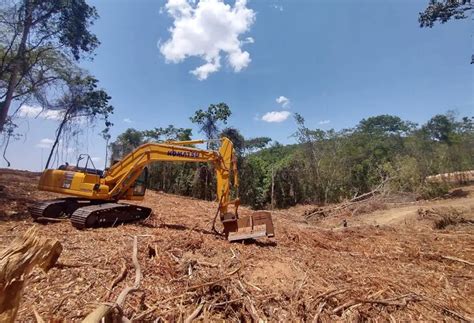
(389, 264)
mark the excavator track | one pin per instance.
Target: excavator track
(48, 209)
(56, 208)
(107, 214)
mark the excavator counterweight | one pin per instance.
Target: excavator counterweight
(96, 194)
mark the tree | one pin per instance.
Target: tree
(82, 102)
(33, 30)
(125, 143)
(236, 137)
(385, 124)
(170, 133)
(208, 121)
(444, 10)
(440, 128)
(105, 133)
(257, 143)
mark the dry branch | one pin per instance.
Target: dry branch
(38, 318)
(194, 314)
(16, 261)
(318, 311)
(385, 302)
(119, 278)
(458, 260)
(216, 281)
(104, 309)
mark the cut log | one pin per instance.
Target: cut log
(16, 261)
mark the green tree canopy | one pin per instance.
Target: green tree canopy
(236, 137)
(440, 128)
(32, 31)
(384, 125)
(169, 133)
(81, 102)
(125, 143)
(444, 10)
(208, 120)
(253, 144)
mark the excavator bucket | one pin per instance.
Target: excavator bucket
(254, 226)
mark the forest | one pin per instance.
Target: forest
(323, 166)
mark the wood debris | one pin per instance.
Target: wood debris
(404, 272)
(17, 261)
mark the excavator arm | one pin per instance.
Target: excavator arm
(122, 175)
(101, 191)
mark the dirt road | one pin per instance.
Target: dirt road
(391, 264)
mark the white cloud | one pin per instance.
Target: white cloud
(27, 111)
(278, 7)
(45, 143)
(283, 101)
(203, 71)
(208, 29)
(127, 120)
(248, 40)
(276, 116)
(96, 159)
(324, 121)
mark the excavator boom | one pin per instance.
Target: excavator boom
(96, 194)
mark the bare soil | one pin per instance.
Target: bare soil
(390, 264)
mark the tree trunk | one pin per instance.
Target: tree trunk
(273, 189)
(58, 135)
(106, 162)
(12, 83)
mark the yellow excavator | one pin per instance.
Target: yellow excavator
(96, 193)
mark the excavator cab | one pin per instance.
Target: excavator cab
(88, 167)
(140, 185)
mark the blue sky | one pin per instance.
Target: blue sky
(335, 61)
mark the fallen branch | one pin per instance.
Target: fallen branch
(252, 310)
(385, 302)
(19, 259)
(38, 318)
(194, 314)
(324, 211)
(446, 310)
(119, 278)
(155, 306)
(104, 309)
(241, 299)
(214, 282)
(458, 260)
(318, 311)
(332, 293)
(344, 306)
